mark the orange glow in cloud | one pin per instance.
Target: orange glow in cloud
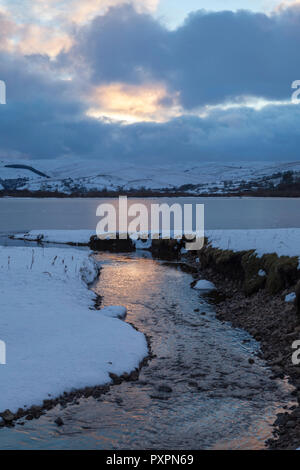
(77, 11)
(286, 4)
(133, 103)
(7, 31)
(44, 26)
(42, 40)
(85, 11)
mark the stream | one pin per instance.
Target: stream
(198, 391)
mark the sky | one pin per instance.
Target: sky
(172, 13)
(150, 81)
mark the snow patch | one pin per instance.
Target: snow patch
(283, 241)
(143, 244)
(204, 285)
(114, 312)
(290, 297)
(262, 273)
(57, 236)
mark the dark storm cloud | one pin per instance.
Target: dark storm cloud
(38, 108)
(213, 57)
(122, 46)
(232, 135)
(245, 134)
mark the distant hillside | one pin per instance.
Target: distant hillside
(90, 178)
(26, 167)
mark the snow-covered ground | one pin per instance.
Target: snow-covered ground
(284, 241)
(57, 236)
(204, 285)
(80, 237)
(85, 175)
(54, 341)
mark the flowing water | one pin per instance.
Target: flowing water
(199, 390)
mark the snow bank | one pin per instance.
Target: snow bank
(75, 237)
(284, 242)
(54, 341)
(114, 312)
(57, 236)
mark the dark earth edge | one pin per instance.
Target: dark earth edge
(286, 192)
(266, 316)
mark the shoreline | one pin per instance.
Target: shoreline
(149, 195)
(10, 419)
(272, 322)
(30, 399)
(275, 349)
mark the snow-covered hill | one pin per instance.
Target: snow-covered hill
(83, 176)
